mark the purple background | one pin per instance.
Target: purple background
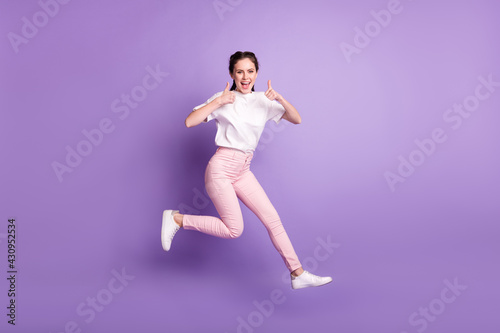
(394, 249)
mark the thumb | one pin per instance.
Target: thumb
(227, 87)
(269, 84)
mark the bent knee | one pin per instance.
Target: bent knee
(235, 232)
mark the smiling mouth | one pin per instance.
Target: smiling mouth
(245, 85)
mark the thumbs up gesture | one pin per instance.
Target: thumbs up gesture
(271, 93)
(227, 96)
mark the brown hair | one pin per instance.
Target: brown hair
(237, 57)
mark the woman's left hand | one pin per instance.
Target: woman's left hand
(271, 93)
(291, 114)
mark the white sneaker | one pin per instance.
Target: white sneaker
(307, 279)
(168, 228)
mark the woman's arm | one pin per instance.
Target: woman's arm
(291, 114)
(197, 117)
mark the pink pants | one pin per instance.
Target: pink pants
(227, 178)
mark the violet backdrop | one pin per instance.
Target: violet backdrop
(390, 184)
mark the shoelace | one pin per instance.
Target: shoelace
(314, 278)
(173, 232)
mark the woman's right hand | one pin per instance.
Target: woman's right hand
(227, 96)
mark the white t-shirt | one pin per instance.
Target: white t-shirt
(240, 124)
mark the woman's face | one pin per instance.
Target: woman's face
(244, 75)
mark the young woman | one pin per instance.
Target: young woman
(240, 114)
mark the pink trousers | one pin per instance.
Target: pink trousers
(227, 178)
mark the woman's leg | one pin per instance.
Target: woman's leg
(255, 198)
(218, 182)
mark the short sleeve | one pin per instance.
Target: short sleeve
(275, 111)
(212, 115)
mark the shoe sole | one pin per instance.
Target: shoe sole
(167, 215)
(312, 285)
